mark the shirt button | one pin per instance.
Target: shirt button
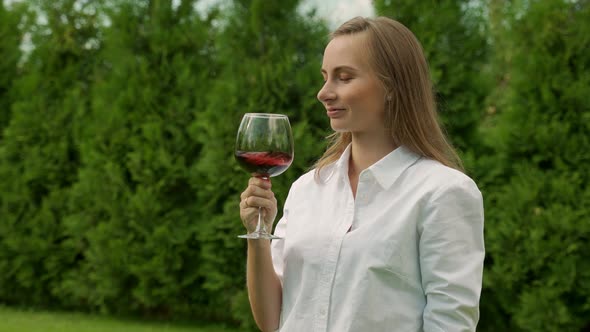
(323, 312)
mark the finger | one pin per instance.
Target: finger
(249, 203)
(249, 216)
(254, 201)
(259, 192)
(243, 204)
(260, 182)
(253, 190)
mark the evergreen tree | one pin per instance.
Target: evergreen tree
(269, 61)
(39, 158)
(538, 197)
(134, 207)
(453, 37)
(10, 37)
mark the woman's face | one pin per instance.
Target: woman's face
(352, 94)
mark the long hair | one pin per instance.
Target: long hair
(411, 117)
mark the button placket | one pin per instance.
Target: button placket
(326, 279)
(327, 274)
(364, 186)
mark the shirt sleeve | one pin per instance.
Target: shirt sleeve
(452, 252)
(277, 246)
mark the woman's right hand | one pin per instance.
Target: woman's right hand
(258, 194)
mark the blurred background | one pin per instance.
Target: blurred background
(118, 187)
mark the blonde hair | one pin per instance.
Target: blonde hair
(411, 117)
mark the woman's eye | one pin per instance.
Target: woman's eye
(345, 78)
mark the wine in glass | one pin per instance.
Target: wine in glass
(264, 148)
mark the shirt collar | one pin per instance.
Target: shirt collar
(385, 171)
(342, 162)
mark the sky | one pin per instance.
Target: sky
(334, 11)
(337, 12)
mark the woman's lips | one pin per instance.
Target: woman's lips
(335, 112)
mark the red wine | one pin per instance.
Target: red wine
(264, 163)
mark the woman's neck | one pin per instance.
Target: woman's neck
(368, 149)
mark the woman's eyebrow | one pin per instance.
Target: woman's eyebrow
(340, 68)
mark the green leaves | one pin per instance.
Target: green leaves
(118, 186)
(536, 210)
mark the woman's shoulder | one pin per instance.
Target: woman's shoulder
(308, 178)
(313, 177)
(439, 176)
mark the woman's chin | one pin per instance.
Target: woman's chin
(338, 126)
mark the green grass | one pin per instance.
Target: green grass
(13, 320)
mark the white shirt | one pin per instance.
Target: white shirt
(412, 260)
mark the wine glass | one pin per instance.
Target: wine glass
(264, 148)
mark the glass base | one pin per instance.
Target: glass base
(259, 236)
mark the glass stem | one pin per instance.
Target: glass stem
(260, 228)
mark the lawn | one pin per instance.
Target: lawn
(12, 320)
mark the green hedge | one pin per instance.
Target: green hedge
(118, 187)
(536, 177)
(10, 35)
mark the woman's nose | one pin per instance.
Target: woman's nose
(326, 93)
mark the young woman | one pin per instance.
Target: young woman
(386, 234)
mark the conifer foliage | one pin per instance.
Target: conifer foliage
(39, 158)
(536, 184)
(119, 187)
(10, 53)
(269, 62)
(119, 190)
(134, 205)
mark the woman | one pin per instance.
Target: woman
(386, 234)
